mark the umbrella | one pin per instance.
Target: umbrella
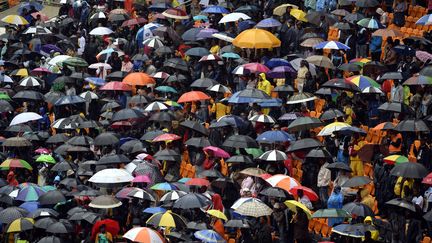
(19, 225)
(409, 170)
(274, 136)
(412, 125)
(143, 234)
(306, 191)
(332, 127)
(126, 114)
(203, 83)
(9, 214)
(175, 13)
(106, 138)
(233, 17)
(306, 143)
(333, 45)
(353, 230)
(172, 196)
(16, 142)
(320, 61)
(300, 98)
(236, 223)
(197, 52)
(419, 80)
(358, 209)
(191, 200)
(304, 123)
(25, 117)
(294, 205)
(394, 107)
(14, 19)
(209, 236)
(274, 192)
(268, 23)
(239, 159)
(105, 202)
(402, 203)
(273, 156)
(370, 23)
(198, 142)
(240, 141)
(111, 176)
(262, 119)
(331, 114)
(299, 15)
(167, 219)
(395, 159)
(51, 198)
(331, 213)
(61, 227)
(281, 9)
(28, 95)
(115, 86)
(256, 39)
(282, 181)
(192, 96)
(252, 207)
(357, 181)
(140, 79)
(15, 163)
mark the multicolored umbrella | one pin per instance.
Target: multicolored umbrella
(143, 234)
(333, 45)
(20, 225)
(30, 193)
(15, 19)
(395, 159)
(332, 127)
(164, 186)
(425, 20)
(167, 219)
(209, 236)
(283, 181)
(363, 81)
(370, 23)
(15, 163)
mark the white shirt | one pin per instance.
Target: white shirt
(324, 175)
(419, 201)
(81, 45)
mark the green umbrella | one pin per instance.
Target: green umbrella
(4, 96)
(255, 152)
(166, 89)
(46, 158)
(331, 213)
(76, 62)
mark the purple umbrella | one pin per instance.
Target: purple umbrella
(30, 206)
(206, 33)
(268, 23)
(49, 47)
(279, 72)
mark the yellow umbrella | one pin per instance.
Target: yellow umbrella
(256, 39)
(15, 19)
(332, 127)
(20, 224)
(167, 219)
(293, 204)
(299, 15)
(218, 214)
(281, 9)
(23, 72)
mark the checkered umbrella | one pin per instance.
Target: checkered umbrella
(254, 208)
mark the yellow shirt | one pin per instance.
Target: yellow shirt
(214, 50)
(348, 112)
(357, 147)
(220, 110)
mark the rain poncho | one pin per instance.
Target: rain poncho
(335, 201)
(264, 84)
(375, 233)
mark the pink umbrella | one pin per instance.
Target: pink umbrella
(142, 179)
(217, 152)
(256, 67)
(42, 16)
(40, 71)
(423, 56)
(144, 156)
(42, 151)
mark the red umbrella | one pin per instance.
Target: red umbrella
(193, 96)
(166, 137)
(198, 182)
(40, 71)
(115, 85)
(428, 180)
(306, 191)
(111, 226)
(129, 22)
(217, 152)
(256, 67)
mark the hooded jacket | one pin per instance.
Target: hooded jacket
(264, 84)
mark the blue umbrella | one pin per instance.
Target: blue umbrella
(233, 120)
(275, 136)
(277, 62)
(231, 55)
(279, 72)
(95, 80)
(216, 10)
(191, 34)
(276, 102)
(245, 25)
(30, 206)
(352, 230)
(425, 20)
(206, 33)
(334, 45)
(236, 99)
(197, 52)
(28, 5)
(200, 17)
(268, 23)
(145, 32)
(154, 210)
(209, 236)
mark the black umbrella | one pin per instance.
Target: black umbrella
(9, 214)
(319, 153)
(339, 166)
(139, 99)
(210, 173)
(354, 17)
(307, 143)
(224, 182)
(395, 107)
(192, 200)
(80, 75)
(164, 116)
(402, 203)
(315, 18)
(412, 125)
(111, 105)
(198, 142)
(176, 63)
(128, 146)
(50, 239)
(348, 131)
(175, 78)
(304, 123)
(126, 114)
(197, 52)
(391, 75)
(253, 93)
(62, 166)
(69, 100)
(167, 154)
(274, 192)
(358, 209)
(350, 67)
(61, 227)
(20, 128)
(106, 138)
(6, 199)
(409, 170)
(240, 159)
(90, 124)
(113, 159)
(203, 83)
(240, 141)
(357, 181)
(163, 50)
(17, 142)
(341, 84)
(80, 141)
(28, 95)
(283, 88)
(367, 3)
(194, 125)
(44, 212)
(116, 76)
(64, 80)
(191, 34)
(51, 198)
(428, 216)
(196, 225)
(150, 135)
(236, 223)
(5, 106)
(45, 222)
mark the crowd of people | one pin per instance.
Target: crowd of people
(214, 121)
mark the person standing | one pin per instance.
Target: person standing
(324, 178)
(301, 75)
(81, 44)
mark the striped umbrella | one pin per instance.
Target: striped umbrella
(210, 57)
(153, 42)
(172, 196)
(141, 194)
(37, 30)
(19, 225)
(15, 19)
(395, 159)
(29, 193)
(156, 106)
(273, 156)
(144, 235)
(332, 127)
(362, 81)
(15, 163)
(425, 20)
(333, 45)
(370, 23)
(30, 82)
(282, 181)
(262, 118)
(209, 236)
(167, 219)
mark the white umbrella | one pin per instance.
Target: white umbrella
(262, 118)
(156, 106)
(25, 117)
(233, 17)
(57, 59)
(332, 127)
(29, 82)
(106, 66)
(101, 31)
(38, 30)
(111, 176)
(5, 79)
(153, 42)
(219, 88)
(88, 95)
(223, 37)
(105, 202)
(98, 15)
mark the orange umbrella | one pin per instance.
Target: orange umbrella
(193, 96)
(166, 137)
(140, 79)
(256, 39)
(384, 126)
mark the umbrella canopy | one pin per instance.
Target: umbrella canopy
(306, 143)
(358, 209)
(283, 181)
(412, 125)
(409, 170)
(143, 234)
(295, 205)
(209, 236)
(256, 39)
(332, 127)
(105, 202)
(331, 213)
(25, 117)
(304, 123)
(167, 219)
(252, 207)
(111, 176)
(352, 230)
(357, 181)
(191, 200)
(240, 141)
(9, 214)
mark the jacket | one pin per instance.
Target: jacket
(375, 44)
(324, 176)
(264, 85)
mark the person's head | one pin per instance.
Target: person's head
(390, 41)
(126, 58)
(308, 75)
(300, 193)
(322, 18)
(368, 235)
(337, 189)
(102, 229)
(368, 220)
(263, 220)
(303, 63)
